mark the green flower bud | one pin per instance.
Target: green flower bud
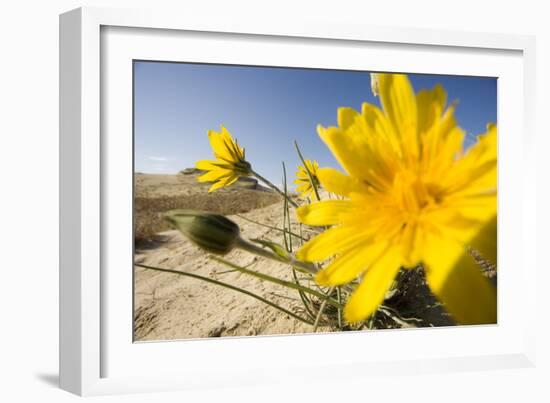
(212, 232)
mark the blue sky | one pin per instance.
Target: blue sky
(266, 109)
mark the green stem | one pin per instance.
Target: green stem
(271, 227)
(285, 211)
(305, 300)
(275, 280)
(299, 265)
(286, 214)
(303, 267)
(275, 188)
(222, 284)
(321, 309)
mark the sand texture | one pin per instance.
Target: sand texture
(170, 306)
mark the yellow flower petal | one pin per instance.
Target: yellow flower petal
(327, 212)
(435, 135)
(229, 182)
(456, 280)
(465, 228)
(205, 165)
(336, 182)
(231, 144)
(311, 165)
(371, 292)
(346, 117)
(350, 264)
(485, 241)
(478, 167)
(230, 163)
(305, 178)
(226, 181)
(398, 100)
(214, 175)
(345, 149)
(330, 242)
(302, 175)
(399, 104)
(384, 140)
(430, 106)
(218, 144)
(224, 147)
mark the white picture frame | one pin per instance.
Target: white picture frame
(96, 354)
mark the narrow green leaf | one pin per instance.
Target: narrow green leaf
(276, 280)
(232, 287)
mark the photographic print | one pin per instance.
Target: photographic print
(277, 201)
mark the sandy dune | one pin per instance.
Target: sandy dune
(169, 306)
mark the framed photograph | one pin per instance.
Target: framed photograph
(245, 202)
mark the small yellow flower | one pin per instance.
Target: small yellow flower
(230, 161)
(305, 185)
(413, 196)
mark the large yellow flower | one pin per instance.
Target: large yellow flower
(230, 161)
(413, 196)
(304, 182)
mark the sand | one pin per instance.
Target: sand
(170, 306)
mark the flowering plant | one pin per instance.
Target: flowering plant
(410, 198)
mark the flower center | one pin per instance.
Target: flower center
(414, 196)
